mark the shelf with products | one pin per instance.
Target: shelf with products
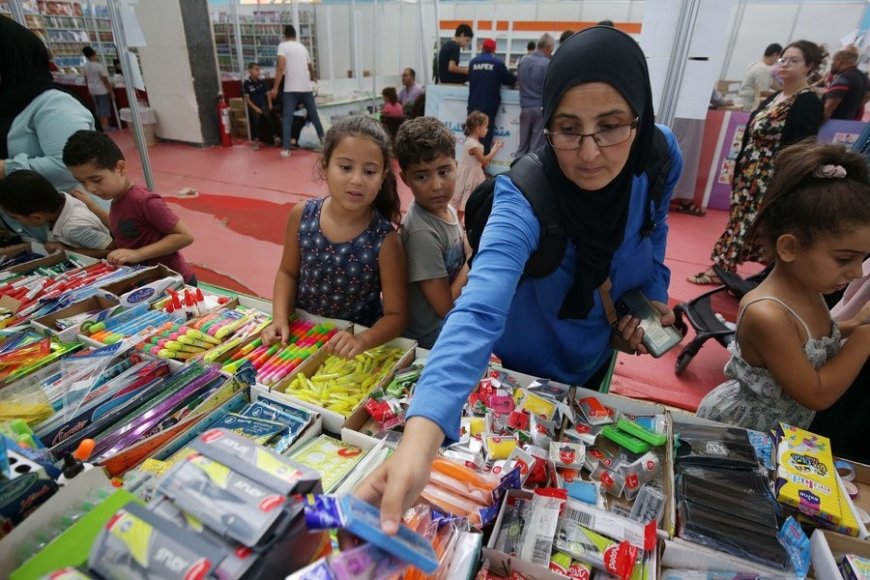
(261, 32)
(511, 37)
(66, 28)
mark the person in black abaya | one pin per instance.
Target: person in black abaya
(598, 113)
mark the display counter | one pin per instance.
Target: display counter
(449, 103)
(119, 90)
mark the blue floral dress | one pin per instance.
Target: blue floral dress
(340, 280)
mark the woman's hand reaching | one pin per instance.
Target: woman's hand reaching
(398, 482)
(629, 326)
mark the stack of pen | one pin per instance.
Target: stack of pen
(128, 323)
(274, 362)
(49, 288)
(208, 337)
(24, 352)
(19, 258)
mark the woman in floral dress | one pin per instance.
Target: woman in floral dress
(786, 117)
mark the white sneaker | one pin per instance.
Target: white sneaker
(285, 153)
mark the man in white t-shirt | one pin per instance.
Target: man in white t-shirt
(99, 86)
(759, 78)
(296, 71)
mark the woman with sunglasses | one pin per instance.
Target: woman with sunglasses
(598, 110)
(786, 117)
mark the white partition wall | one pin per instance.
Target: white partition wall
(757, 24)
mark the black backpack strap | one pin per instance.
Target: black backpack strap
(527, 174)
(657, 171)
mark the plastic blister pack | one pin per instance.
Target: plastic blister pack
(719, 531)
(716, 446)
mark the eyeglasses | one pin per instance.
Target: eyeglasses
(567, 140)
(791, 60)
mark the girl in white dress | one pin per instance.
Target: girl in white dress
(470, 173)
(788, 361)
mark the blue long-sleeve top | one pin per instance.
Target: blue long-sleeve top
(518, 319)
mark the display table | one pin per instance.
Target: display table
(449, 103)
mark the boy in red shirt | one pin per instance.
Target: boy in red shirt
(145, 230)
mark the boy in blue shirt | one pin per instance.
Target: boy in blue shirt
(434, 241)
(259, 104)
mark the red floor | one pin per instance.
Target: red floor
(244, 199)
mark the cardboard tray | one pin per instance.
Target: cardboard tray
(529, 569)
(826, 547)
(139, 278)
(332, 421)
(45, 324)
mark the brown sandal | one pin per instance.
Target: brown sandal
(708, 278)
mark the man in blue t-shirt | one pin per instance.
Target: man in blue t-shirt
(486, 75)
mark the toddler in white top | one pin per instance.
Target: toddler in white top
(32, 200)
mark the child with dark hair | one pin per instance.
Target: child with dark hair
(341, 252)
(473, 161)
(145, 229)
(392, 107)
(97, 77)
(32, 200)
(787, 362)
(432, 236)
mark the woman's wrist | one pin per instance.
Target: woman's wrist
(423, 435)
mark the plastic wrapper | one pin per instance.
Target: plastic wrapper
(583, 432)
(719, 531)
(363, 520)
(454, 503)
(719, 496)
(649, 504)
(716, 446)
(617, 558)
(498, 447)
(536, 542)
(594, 411)
(541, 407)
(512, 524)
(570, 455)
(612, 482)
(365, 562)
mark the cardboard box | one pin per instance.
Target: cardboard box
(312, 431)
(14, 545)
(16, 249)
(826, 548)
(332, 421)
(142, 277)
(536, 571)
(100, 303)
(636, 407)
(679, 553)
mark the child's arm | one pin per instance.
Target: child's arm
(441, 293)
(250, 104)
(286, 280)
(769, 334)
(847, 327)
(92, 205)
(394, 287)
(177, 238)
(485, 159)
(91, 252)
